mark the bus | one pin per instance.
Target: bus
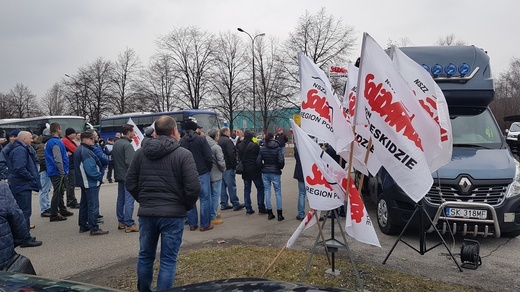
(36, 125)
(108, 127)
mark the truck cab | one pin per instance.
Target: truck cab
(478, 191)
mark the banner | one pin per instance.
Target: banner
(380, 103)
(321, 114)
(306, 223)
(358, 224)
(138, 137)
(438, 146)
(362, 134)
(338, 71)
(322, 174)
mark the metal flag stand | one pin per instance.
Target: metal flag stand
(332, 246)
(419, 209)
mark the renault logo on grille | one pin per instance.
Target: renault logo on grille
(465, 184)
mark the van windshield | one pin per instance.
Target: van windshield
(475, 126)
(515, 127)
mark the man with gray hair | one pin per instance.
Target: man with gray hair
(229, 179)
(219, 166)
(23, 177)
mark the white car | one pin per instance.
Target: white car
(513, 134)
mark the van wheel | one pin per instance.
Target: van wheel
(384, 219)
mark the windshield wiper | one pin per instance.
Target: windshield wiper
(471, 146)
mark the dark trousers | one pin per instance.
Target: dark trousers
(110, 169)
(89, 208)
(70, 184)
(23, 199)
(57, 204)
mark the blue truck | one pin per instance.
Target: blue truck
(478, 191)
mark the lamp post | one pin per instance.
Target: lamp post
(254, 80)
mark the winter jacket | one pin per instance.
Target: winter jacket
(56, 157)
(122, 154)
(270, 158)
(163, 179)
(3, 161)
(298, 171)
(40, 151)
(199, 147)
(229, 150)
(219, 164)
(71, 147)
(88, 169)
(248, 153)
(282, 139)
(13, 230)
(23, 168)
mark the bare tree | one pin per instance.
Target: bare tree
(23, 101)
(76, 91)
(100, 74)
(192, 52)
(274, 92)
(125, 74)
(53, 103)
(401, 42)
(450, 40)
(156, 86)
(507, 93)
(230, 80)
(325, 40)
(6, 106)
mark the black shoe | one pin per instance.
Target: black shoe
(58, 217)
(98, 232)
(46, 213)
(66, 213)
(110, 181)
(100, 221)
(239, 207)
(262, 211)
(299, 218)
(250, 212)
(83, 229)
(74, 206)
(31, 243)
(226, 207)
(100, 216)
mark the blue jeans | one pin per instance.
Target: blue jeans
(229, 183)
(273, 178)
(23, 199)
(45, 180)
(260, 197)
(125, 205)
(283, 150)
(216, 187)
(170, 230)
(301, 199)
(89, 208)
(205, 203)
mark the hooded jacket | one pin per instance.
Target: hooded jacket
(270, 158)
(163, 179)
(248, 152)
(23, 168)
(88, 168)
(200, 149)
(219, 164)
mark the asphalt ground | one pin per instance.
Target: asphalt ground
(66, 253)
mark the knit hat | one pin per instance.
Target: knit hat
(69, 131)
(248, 135)
(14, 133)
(191, 125)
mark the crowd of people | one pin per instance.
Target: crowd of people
(167, 176)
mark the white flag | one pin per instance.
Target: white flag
(307, 222)
(322, 115)
(434, 103)
(362, 134)
(397, 144)
(322, 174)
(358, 223)
(138, 138)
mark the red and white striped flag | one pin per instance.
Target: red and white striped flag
(307, 222)
(138, 138)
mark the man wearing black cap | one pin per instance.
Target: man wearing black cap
(70, 182)
(203, 156)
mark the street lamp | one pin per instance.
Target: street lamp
(254, 80)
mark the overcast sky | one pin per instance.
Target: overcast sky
(41, 40)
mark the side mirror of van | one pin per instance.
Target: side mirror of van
(507, 131)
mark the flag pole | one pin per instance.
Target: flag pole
(275, 259)
(322, 237)
(362, 178)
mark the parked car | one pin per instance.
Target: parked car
(513, 134)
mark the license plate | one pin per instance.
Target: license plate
(466, 213)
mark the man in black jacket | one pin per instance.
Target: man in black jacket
(163, 179)
(248, 152)
(199, 147)
(228, 178)
(272, 162)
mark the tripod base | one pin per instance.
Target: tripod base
(333, 272)
(419, 208)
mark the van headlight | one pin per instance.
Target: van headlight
(514, 187)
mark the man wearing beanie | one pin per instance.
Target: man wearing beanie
(70, 183)
(248, 152)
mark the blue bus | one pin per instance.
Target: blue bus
(36, 125)
(108, 127)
